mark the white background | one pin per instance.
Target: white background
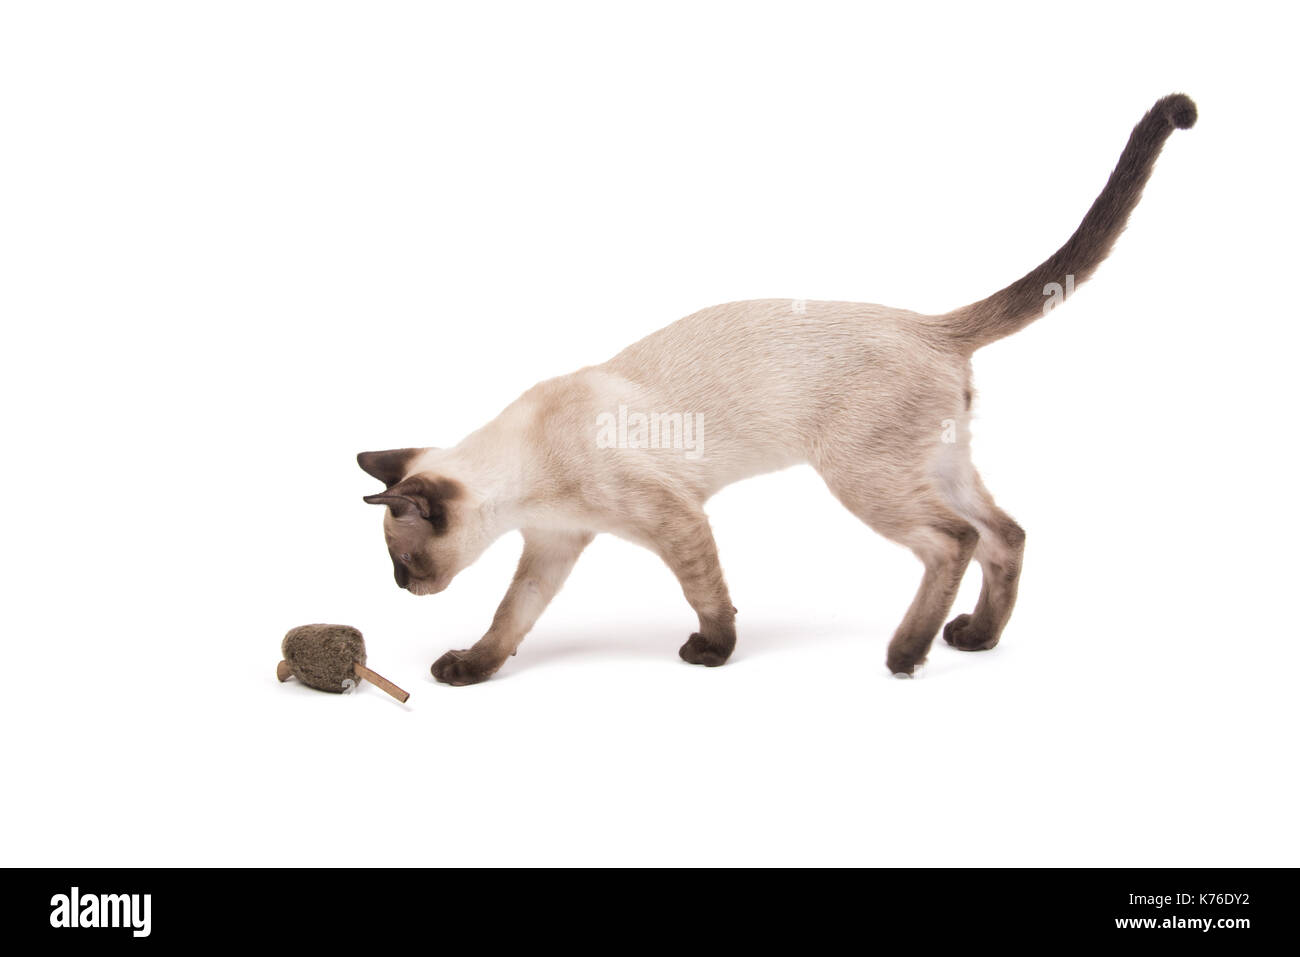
(241, 242)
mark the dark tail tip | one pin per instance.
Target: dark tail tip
(1179, 110)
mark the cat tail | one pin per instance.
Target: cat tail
(1011, 309)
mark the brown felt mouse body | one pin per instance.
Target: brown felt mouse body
(329, 658)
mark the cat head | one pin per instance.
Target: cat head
(433, 524)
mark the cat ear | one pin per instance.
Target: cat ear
(418, 495)
(388, 466)
(400, 504)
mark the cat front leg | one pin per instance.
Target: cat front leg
(547, 559)
(684, 540)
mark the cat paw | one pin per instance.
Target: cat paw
(961, 634)
(902, 666)
(463, 668)
(699, 650)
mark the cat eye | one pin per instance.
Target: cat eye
(405, 557)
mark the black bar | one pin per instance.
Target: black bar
(1222, 907)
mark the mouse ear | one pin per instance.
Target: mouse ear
(388, 466)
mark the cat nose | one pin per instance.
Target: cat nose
(401, 575)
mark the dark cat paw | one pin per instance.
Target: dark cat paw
(902, 666)
(699, 650)
(463, 668)
(961, 634)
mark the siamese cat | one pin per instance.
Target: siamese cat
(877, 400)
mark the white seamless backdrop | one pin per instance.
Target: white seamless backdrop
(240, 243)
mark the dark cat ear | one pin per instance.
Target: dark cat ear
(419, 495)
(388, 466)
(400, 504)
